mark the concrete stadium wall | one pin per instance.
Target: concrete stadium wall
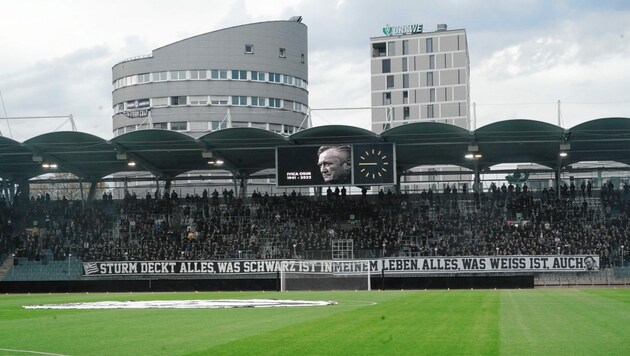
(268, 284)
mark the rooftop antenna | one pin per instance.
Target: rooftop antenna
(227, 119)
(559, 115)
(70, 119)
(307, 119)
(6, 116)
(148, 120)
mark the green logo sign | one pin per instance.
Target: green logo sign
(402, 30)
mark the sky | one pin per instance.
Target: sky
(525, 56)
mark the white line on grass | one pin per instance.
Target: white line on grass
(32, 352)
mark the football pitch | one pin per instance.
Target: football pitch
(455, 322)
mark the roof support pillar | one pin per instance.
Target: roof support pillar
(81, 190)
(317, 192)
(236, 184)
(397, 185)
(558, 178)
(24, 190)
(5, 191)
(243, 179)
(477, 178)
(92, 192)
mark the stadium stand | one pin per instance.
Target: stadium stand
(44, 239)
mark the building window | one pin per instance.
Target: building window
(178, 100)
(256, 101)
(160, 76)
(387, 67)
(239, 74)
(219, 74)
(404, 64)
(240, 124)
(275, 103)
(405, 97)
(288, 80)
(432, 61)
(178, 75)
(157, 102)
(378, 50)
(144, 78)
(429, 79)
(198, 100)
(390, 81)
(199, 74)
(144, 103)
(387, 98)
(391, 48)
(161, 125)
(298, 107)
(405, 47)
(432, 95)
(283, 52)
(260, 76)
(249, 49)
(405, 80)
(275, 77)
(130, 104)
(406, 113)
(179, 126)
(430, 111)
(302, 58)
(239, 100)
(219, 100)
(429, 43)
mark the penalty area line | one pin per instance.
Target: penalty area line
(32, 352)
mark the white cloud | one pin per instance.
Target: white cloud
(340, 79)
(57, 55)
(570, 62)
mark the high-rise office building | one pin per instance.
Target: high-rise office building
(419, 76)
(253, 75)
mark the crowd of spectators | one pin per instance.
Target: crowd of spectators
(502, 221)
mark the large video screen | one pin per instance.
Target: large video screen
(338, 164)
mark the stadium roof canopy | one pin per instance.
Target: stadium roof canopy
(246, 151)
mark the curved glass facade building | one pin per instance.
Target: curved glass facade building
(253, 75)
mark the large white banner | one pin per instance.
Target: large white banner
(420, 265)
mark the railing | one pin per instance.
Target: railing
(135, 58)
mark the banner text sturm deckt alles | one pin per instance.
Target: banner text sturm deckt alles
(507, 264)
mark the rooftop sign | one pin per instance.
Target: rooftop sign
(402, 30)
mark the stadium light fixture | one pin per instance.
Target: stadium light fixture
(131, 164)
(47, 165)
(473, 152)
(564, 149)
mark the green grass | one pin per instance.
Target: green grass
(479, 322)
